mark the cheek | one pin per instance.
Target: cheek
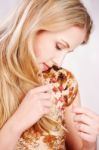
(44, 47)
(44, 53)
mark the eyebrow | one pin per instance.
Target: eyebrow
(66, 43)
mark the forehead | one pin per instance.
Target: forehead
(73, 35)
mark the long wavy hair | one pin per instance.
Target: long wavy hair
(19, 69)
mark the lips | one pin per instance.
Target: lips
(45, 67)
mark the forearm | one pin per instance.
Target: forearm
(73, 142)
(9, 136)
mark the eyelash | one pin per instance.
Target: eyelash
(58, 48)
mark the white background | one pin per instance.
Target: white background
(83, 62)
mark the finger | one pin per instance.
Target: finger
(86, 129)
(44, 107)
(46, 110)
(44, 96)
(82, 110)
(84, 119)
(87, 122)
(46, 103)
(87, 137)
(43, 88)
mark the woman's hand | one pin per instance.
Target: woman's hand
(36, 104)
(87, 123)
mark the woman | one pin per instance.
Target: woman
(38, 36)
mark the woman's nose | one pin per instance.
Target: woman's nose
(58, 59)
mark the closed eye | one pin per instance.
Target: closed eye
(57, 47)
(60, 46)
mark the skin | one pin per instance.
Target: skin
(82, 123)
(50, 47)
(90, 123)
(37, 101)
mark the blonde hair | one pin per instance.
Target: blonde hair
(19, 69)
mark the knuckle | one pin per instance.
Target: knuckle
(48, 103)
(46, 111)
(82, 117)
(81, 126)
(48, 96)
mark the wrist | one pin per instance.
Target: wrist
(14, 127)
